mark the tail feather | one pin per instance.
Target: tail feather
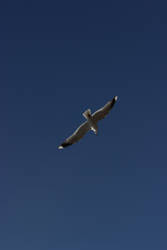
(87, 113)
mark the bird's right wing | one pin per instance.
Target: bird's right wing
(76, 136)
(101, 113)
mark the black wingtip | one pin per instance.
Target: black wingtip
(64, 145)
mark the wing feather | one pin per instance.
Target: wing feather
(76, 136)
(101, 113)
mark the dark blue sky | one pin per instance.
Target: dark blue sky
(108, 191)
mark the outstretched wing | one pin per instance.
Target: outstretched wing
(76, 136)
(101, 113)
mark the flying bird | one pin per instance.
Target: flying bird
(90, 124)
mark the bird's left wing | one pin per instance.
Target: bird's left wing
(101, 113)
(76, 136)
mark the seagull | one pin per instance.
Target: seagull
(90, 124)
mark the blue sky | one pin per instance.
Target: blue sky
(107, 191)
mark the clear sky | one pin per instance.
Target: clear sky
(56, 60)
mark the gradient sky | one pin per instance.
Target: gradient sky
(56, 60)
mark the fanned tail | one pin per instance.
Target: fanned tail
(87, 113)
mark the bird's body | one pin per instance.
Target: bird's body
(90, 124)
